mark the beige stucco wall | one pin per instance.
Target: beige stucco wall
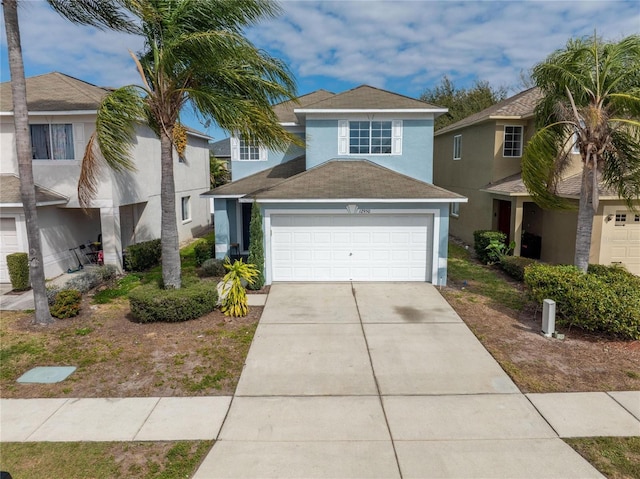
(502, 167)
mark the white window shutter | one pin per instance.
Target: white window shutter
(396, 141)
(235, 148)
(78, 141)
(263, 153)
(343, 137)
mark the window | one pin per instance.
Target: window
(249, 150)
(370, 137)
(457, 144)
(512, 142)
(52, 142)
(636, 218)
(621, 218)
(454, 209)
(575, 147)
(186, 208)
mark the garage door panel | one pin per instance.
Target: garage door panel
(351, 247)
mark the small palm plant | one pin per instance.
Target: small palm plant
(232, 293)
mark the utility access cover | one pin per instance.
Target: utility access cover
(47, 374)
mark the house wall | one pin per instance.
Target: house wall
(416, 159)
(241, 169)
(466, 176)
(502, 166)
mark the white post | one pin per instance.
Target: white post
(548, 317)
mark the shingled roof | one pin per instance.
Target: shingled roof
(366, 97)
(284, 110)
(567, 187)
(10, 193)
(519, 106)
(55, 92)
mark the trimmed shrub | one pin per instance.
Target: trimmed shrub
(604, 300)
(256, 247)
(213, 267)
(149, 303)
(143, 256)
(481, 241)
(52, 292)
(66, 304)
(203, 250)
(514, 266)
(18, 266)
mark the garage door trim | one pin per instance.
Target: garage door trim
(435, 238)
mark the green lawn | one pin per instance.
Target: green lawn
(615, 457)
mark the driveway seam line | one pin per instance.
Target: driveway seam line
(375, 379)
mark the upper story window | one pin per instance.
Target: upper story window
(52, 142)
(370, 137)
(247, 150)
(512, 141)
(575, 147)
(186, 208)
(457, 147)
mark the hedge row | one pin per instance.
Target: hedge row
(143, 256)
(150, 303)
(203, 250)
(514, 266)
(18, 266)
(606, 299)
(482, 239)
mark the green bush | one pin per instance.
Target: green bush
(514, 266)
(149, 303)
(203, 250)
(605, 299)
(256, 247)
(66, 304)
(143, 256)
(213, 267)
(18, 266)
(481, 241)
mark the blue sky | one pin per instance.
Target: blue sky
(401, 46)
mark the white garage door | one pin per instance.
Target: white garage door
(8, 245)
(625, 241)
(351, 247)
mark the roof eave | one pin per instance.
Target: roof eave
(371, 110)
(351, 200)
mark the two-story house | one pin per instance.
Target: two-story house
(480, 158)
(356, 204)
(126, 209)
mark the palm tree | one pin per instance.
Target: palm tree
(219, 173)
(195, 55)
(101, 14)
(591, 103)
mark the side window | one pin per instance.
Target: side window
(457, 148)
(454, 210)
(52, 142)
(186, 208)
(512, 147)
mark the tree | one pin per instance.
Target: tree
(99, 14)
(256, 246)
(591, 103)
(218, 171)
(195, 55)
(461, 102)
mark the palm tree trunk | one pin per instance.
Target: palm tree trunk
(25, 170)
(585, 221)
(169, 225)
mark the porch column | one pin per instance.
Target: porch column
(517, 225)
(221, 222)
(111, 237)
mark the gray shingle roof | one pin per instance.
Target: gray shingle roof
(261, 180)
(55, 92)
(284, 110)
(515, 107)
(366, 97)
(221, 148)
(10, 192)
(567, 187)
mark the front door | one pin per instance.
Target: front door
(504, 218)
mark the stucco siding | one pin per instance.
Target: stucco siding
(241, 169)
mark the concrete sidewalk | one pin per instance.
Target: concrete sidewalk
(353, 381)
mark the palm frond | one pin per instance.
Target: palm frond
(102, 14)
(621, 169)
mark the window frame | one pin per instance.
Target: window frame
(512, 142)
(237, 147)
(345, 139)
(457, 147)
(454, 210)
(72, 131)
(185, 218)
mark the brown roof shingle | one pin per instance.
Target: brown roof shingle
(517, 106)
(10, 192)
(55, 92)
(284, 110)
(567, 187)
(366, 97)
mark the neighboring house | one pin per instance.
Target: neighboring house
(126, 210)
(222, 150)
(356, 204)
(480, 158)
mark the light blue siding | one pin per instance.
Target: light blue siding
(415, 161)
(241, 169)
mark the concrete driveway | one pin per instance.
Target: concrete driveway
(380, 380)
